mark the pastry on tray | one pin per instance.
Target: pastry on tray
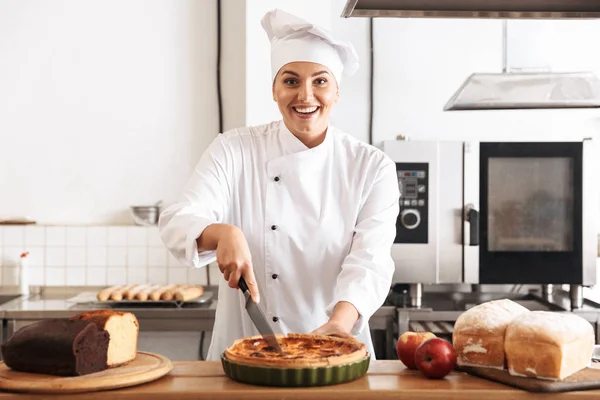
(150, 292)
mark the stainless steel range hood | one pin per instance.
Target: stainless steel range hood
(505, 9)
(506, 89)
(539, 90)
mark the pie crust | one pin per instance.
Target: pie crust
(300, 351)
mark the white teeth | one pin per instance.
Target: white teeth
(306, 110)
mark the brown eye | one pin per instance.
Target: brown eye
(290, 81)
(320, 81)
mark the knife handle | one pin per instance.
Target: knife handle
(242, 284)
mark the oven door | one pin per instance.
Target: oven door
(537, 215)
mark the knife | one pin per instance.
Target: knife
(259, 319)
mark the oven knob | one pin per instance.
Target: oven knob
(410, 218)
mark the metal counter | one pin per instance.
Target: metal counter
(53, 303)
(198, 318)
(438, 313)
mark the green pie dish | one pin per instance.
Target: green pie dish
(295, 377)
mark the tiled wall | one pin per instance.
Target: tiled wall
(92, 255)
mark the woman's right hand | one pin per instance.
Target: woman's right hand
(234, 259)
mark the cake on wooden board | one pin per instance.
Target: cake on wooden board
(548, 345)
(478, 336)
(123, 329)
(88, 342)
(57, 347)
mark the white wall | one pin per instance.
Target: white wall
(93, 256)
(555, 45)
(233, 63)
(420, 63)
(351, 112)
(103, 104)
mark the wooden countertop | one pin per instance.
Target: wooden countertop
(385, 379)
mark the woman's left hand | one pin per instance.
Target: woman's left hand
(342, 319)
(332, 328)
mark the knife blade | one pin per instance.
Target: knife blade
(258, 318)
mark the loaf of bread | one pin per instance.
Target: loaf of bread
(548, 345)
(131, 294)
(105, 294)
(158, 293)
(119, 294)
(57, 347)
(478, 336)
(169, 295)
(187, 293)
(145, 293)
(123, 330)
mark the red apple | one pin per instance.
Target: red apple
(435, 358)
(407, 345)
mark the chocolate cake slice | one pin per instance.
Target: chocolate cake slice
(122, 328)
(57, 347)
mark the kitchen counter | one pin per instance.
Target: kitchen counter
(40, 307)
(24, 310)
(385, 379)
(197, 318)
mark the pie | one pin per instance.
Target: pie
(299, 351)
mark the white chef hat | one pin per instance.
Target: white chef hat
(294, 39)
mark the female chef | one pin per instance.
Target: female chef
(303, 211)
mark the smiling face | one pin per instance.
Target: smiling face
(305, 93)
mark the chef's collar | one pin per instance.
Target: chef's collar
(294, 145)
(294, 39)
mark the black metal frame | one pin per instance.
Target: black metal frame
(531, 267)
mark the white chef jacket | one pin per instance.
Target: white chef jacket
(319, 223)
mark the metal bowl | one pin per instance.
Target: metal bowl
(145, 215)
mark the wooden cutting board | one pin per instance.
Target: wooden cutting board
(586, 379)
(146, 367)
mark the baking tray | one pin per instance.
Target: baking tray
(294, 377)
(89, 299)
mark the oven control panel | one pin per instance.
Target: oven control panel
(411, 225)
